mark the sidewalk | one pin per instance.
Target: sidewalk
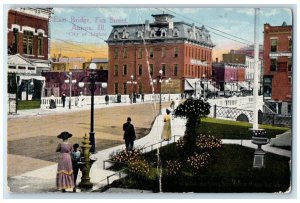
(43, 180)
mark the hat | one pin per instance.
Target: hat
(64, 135)
(75, 146)
(168, 111)
(128, 119)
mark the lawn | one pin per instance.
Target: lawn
(228, 170)
(30, 104)
(225, 129)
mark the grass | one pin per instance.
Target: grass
(31, 104)
(225, 129)
(229, 169)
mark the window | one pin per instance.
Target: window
(40, 44)
(22, 67)
(116, 53)
(152, 33)
(273, 45)
(139, 33)
(15, 41)
(163, 52)
(125, 69)
(289, 64)
(289, 108)
(175, 69)
(151, 52)
(151, 69)
(116, 70)
(140, 54)
(163, 68)
(125, 53)
(290, 79)
(125, 88)
(273, 66)
(175, 32)
(163, 33)
(116, 35)
(31, 68)
(176, 52)
(12, 67)
(116, 87)
(28, 42)
(290, 44)
(140, 67)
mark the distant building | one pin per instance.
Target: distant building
(56, 85)
(249, 51)
(101, 63)
(180, 50)
(66, 64)
(278, 67)
(248, 61)
(230, 76)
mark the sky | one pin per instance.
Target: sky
(82, 31)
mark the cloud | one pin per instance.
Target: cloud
(63, 10)
(113, 12)
(269, 12)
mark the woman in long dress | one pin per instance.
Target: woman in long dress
(64, 177)
(166, 133)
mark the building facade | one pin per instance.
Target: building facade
(66, 64)
(137, 53)
(278, 67)
(28, 51)
(101, 63)
(28, 35)
(229, 76)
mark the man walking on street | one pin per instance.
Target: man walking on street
(129, 134)
(63, 99)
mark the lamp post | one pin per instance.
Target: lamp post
(168, 81)
(92, 87)
(70, 81)
(160, 81)
(132, 82)
(204, 81)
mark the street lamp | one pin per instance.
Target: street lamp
(70, 81)
(168, 81)
(132, 82)
(160, 81)
(204, 81)
(92, 87)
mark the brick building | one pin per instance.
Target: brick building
(28, 51)
(179, 49)
(28, 35)
(278, 67)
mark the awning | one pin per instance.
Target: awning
(29, 77)
(211, 88)
(189, 84)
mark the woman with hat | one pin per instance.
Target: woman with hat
(166, 133)
(64, 177)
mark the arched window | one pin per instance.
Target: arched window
(116, 35)
(163, 33)
(139, 33)
(152, 33)
(175, 32)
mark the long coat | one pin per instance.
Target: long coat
(129, 133)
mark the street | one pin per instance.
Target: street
(32, 140)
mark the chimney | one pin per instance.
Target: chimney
(147, 26)
(171, 25)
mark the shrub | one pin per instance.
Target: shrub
(139, 168)
(127, 156)
(197, 161)
(173, 167)
(208, 142)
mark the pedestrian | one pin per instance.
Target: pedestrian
(107, 99)
(76, 154)
(166, 133)
(172, 105)
(119, 98)
(63, 99)
(143, 97)
(52, 102)
(64, 176)
(129, 134)
(134, 98)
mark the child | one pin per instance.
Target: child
(76, 154)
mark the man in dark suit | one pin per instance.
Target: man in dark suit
(129, 134)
